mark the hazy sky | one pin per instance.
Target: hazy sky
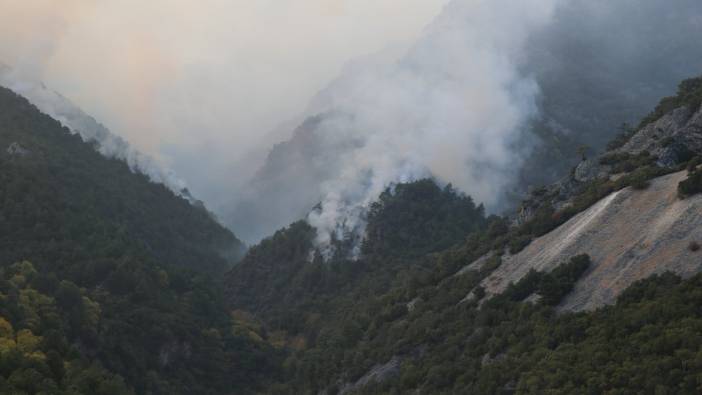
(197, 83)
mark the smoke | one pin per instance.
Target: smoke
(461, 105)
(207, 87)
(453, 107)
(200, 86)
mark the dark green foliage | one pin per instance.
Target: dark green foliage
(552, 286)
(518, 243)
(404, 300)
(693, 164)
(546, 218)
(280, 281)
(64, 192)
(123, 270)
(689, 94)
(691, 185)
(36, 329)
(558, 283)
(409, 305)
(639, 181)
(417, 218)
(623, 162)
(277, 275)
(524, 287)
(649, 341)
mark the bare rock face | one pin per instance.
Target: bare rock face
(673, 139)
(629, 235)
(378, 373)
(681, 124)
(589, 170)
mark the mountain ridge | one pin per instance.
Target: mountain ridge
(475, 317)
(109, 281)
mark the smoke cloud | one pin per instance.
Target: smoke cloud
(466, 104)
(358, 95)
(201, 86)
(453, 107)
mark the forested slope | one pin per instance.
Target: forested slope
(410, 316)
(105, 277)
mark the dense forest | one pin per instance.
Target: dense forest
(111, 284)
(406, 316)
(107, 281)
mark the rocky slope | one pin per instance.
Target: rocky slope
(629, 235)
(672, 139)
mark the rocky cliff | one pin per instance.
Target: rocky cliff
(630, 235)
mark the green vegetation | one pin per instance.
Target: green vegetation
(689, 95)
(551, 287)
(35, 352)
(547, 218)
(403, 300)
(280, 282)
(119, 296)
(418, 218)
(623, 162)
(691, 185)
(122, 293)
(648, 342)
(354, 315)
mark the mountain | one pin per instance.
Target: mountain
(595, 71)
(592, 286)
(108, 280)
(48, 161)
(632, 233)
(90, 130)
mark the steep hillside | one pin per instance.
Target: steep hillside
(490, 311)
(591, 83)
(68, 182)
(106, 278)
(90, 130)
(630, 235)
(284, 279)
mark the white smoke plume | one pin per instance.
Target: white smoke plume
(199, 85)
(453, 108)
(463, 105)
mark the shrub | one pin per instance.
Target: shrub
(639, 183)
(693, 164)
(694, 246)
(518, 243)
(690, 186)
(557, 284)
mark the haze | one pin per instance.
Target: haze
(203, 86)
(274, 111)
